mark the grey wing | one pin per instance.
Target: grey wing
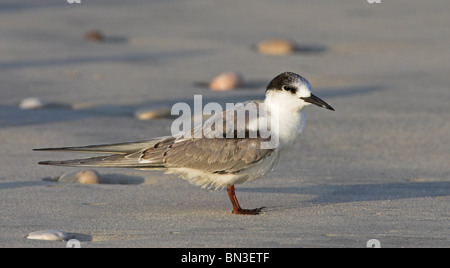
(127, 155)
(213, 155)
(220, 155)
(118, 148)
(114, 161)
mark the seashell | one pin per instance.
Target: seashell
(275, 47)
(94, 35)
(226, 81)
(36, 103)
(54, 235)
(88, 176)
(152, 113)
(32, 103)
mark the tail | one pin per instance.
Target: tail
(125, 155)
(113, 161)
(118, 148)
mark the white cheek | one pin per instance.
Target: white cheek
(303, 92)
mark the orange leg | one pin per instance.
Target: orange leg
(236, 207)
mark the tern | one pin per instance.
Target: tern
(217, 160)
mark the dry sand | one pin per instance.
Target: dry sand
(377, 168)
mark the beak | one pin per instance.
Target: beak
(317, 101)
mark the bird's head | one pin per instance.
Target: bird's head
(292, 91)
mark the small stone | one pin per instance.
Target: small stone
(36, 103)
(153, 113)
(32, 103)
(53, 235)
(275, 47)
(95, 36)
(88, 176)
(226, 81)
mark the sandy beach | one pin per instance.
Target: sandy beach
(376, 168)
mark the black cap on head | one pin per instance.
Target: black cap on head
(286, 79)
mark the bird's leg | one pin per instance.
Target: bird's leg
(236, 207)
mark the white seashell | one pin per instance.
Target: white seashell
(32, 103)
(54, 235)
(88, 176)
(226, 81)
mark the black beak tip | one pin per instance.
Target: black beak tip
(317, 101)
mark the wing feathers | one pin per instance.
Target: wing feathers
(119, 148)
(214, 155)
(119, 161)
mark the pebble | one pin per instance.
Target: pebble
(275, 47)
(153, 113)
(37, 103)
(226, 81)
(54, 235)
(88, 176)
(32, 103)
(94, 35)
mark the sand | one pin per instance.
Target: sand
(376, 168)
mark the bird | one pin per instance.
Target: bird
(213, 160)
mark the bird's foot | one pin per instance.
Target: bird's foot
(255, 211)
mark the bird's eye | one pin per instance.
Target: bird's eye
(289, 88)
